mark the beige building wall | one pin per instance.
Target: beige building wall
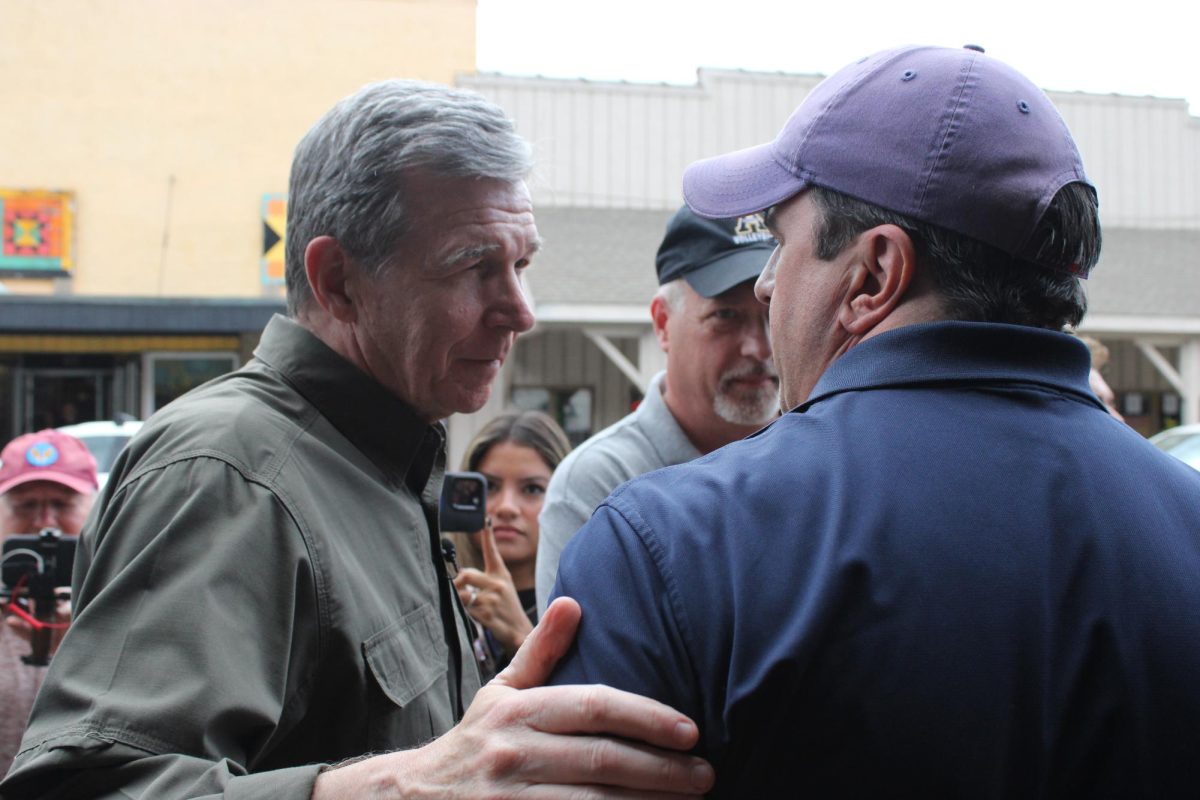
(170, 120)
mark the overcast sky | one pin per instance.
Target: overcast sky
(1139, 48)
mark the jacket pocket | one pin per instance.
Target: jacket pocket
(408, 656)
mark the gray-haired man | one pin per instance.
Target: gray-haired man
(261, 592)
(719, 384)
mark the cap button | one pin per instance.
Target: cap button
(977, 48)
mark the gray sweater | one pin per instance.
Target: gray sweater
(646, 440)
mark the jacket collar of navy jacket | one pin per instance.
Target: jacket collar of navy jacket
(960, 353)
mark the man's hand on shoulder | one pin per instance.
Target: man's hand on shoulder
(521, 737)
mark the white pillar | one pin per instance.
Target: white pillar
(1185, 380)
(651, 359)
(614, 354)
(1189, 378)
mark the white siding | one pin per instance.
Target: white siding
(624, 145)
(1142, 153)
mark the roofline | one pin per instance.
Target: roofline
(1141, 324)
(601, 313)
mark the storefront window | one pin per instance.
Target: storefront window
(169, 375)
(570, 407)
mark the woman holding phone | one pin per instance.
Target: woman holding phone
(515, 452)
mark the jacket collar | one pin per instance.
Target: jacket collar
(961, 353)
(378, 423)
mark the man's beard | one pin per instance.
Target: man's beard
(742, 405)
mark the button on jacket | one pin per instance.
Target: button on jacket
(257, 592)
(950, 573)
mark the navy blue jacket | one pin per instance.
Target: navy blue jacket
(948, 574)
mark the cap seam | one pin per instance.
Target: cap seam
(947, 133)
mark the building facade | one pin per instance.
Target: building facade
(611, 156)
(144, 170)
(143, 166)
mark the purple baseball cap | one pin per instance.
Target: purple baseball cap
(947, 136)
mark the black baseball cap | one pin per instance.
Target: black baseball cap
(714, 255)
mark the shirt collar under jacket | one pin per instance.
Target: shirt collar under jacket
(661, 428)
(962, 353)
(383, 427)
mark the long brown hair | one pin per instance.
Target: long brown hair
(532, 429)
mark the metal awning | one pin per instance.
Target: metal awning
(25, 314)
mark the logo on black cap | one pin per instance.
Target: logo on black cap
(750, 228)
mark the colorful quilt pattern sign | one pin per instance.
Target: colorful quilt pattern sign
(36, 237)
(274, 218)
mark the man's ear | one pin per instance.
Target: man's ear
(330, 270)
(660, 312)
(882, 274)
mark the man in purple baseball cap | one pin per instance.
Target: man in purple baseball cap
(946, 571)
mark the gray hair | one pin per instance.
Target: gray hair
(975, 281)
(672, 294)
(348, 171)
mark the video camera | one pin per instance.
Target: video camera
(48, 553)
(34, 566)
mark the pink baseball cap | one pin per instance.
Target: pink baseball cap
(48, 455)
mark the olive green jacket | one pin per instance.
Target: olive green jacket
(258, 591)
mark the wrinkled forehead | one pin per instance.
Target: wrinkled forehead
(476, 219)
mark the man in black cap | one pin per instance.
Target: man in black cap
(720, 384)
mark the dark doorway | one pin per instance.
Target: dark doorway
(55, 397)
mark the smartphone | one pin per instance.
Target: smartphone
(463, 507)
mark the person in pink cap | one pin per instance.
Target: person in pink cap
(47, 480)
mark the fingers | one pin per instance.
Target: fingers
(62, 611)
(597, 793)
(493, 562)
(469, 576)
(471, 584)
(616, 767)
(20, 627)
(460, 583)
(577, 741)
(513, 762)
(543, 648)
(465, 578)
(492, 602)
(602, 709)
(591, 737)
(468, 596)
